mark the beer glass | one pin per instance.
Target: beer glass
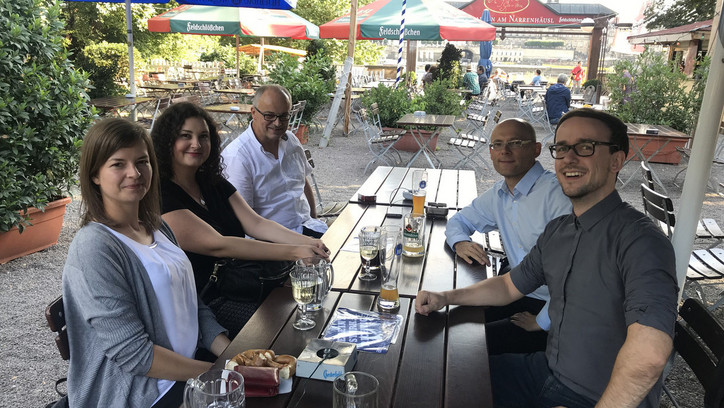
(369, 248)
(325, 279)
(215, 388)
(419, 191)
(304, 286)
(355, 389)
(413, 235)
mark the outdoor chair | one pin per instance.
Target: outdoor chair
(472, 147)
(381, 144)
(704, 264)
(589, 95)
(699, 340)
(296, 116)
(329, 210)
(55, 315)
(717, 164)
(208, 97)
(707, 229)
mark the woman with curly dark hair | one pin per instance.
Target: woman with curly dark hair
(208, 216)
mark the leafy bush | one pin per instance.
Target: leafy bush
(106, 65)
(43, 110)
(306, 83)
(439, 100)
(450, 64)
(393, 103)
(660, 94)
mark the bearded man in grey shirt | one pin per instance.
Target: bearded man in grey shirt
(612, 280)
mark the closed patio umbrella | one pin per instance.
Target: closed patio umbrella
(486, 48)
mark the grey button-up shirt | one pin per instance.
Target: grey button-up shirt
(605, 270)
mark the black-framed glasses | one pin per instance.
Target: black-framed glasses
(582, 149)
(511, 144)
(271, 117)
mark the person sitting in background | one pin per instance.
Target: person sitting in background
(519, 206)
(268, 167)
(537, 78)
(134, 320)
(470, 81)
(209, 217)
(427, 78)
(482, 78)
(558, 99)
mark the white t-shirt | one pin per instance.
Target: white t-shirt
(173, 282)
(273, 187)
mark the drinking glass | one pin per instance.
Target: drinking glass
(389, 298)
(355, 389)
(369, 247)
(215, 388)
(304, 286)
(419, 191)
(413, 235)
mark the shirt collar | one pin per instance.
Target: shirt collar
(600, 210)
(525, 185)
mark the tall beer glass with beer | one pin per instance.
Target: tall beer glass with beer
(419, 191)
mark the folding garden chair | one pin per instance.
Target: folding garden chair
(381, 144)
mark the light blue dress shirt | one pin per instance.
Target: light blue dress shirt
(520, 217)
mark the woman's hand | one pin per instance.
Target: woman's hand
(320, 245)
(309, 251)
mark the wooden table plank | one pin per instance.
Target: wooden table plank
(467, 376)
(439, 273)
(421, 373)
(347, 264)
(467, 188)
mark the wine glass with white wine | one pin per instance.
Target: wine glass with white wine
(369, 246)
(304, 286)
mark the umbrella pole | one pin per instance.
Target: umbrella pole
(350, 53)
(237, 56)
(131, 75)
(702, 154)
(402, 39)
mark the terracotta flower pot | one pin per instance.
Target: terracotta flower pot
(668, 153)
(43, 232)
(407, 143)
(302, 133)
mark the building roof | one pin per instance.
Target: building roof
(579, 9)
(681, 33)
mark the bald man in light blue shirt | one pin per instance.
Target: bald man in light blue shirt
(519, 206)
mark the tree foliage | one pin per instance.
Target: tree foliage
(449, 63)
(304, 83)
(682, 12)
(660, 93)
(43, 110)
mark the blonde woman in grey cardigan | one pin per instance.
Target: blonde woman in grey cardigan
(134, 320)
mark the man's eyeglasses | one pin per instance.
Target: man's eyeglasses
(271, 117)
(582, 149)
(511, 144)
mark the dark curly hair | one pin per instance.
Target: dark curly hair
(168, 128)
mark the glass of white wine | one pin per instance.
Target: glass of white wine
(369, 246)
(304, 286)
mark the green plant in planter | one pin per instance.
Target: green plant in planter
(305, 83)
(439, 100)
(393, 103)
(43, 110)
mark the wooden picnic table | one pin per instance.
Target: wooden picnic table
(437, 360)
(456, 188)
(114, 105)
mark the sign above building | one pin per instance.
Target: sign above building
(532, 13)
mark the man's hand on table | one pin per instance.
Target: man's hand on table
(469, 251)
(427, 302)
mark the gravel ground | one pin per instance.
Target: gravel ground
(29, 360)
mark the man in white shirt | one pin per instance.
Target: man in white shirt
(267, 165)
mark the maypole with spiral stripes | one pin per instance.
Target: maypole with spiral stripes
(402, 38)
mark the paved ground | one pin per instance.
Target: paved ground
(29, 360)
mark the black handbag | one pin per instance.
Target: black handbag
(245, 281)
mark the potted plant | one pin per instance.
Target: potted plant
(393, 103)
(312, 82)
(43, 116)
